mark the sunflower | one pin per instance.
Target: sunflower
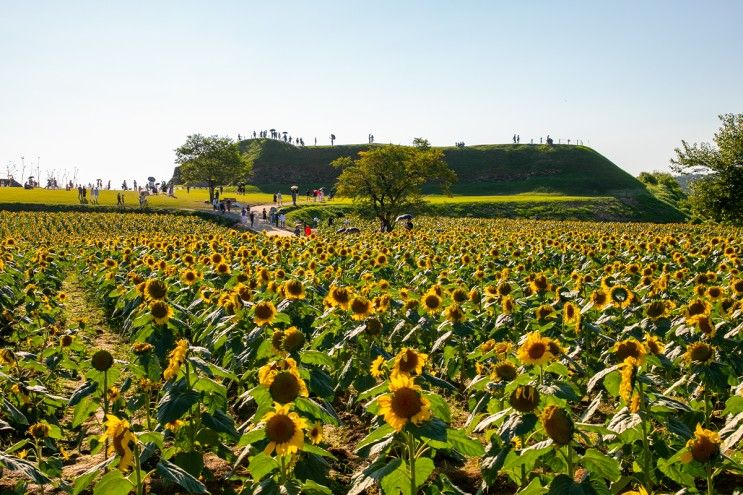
(155, 289)
(404, 403)
(431, 302)
(628, 374)
(293, 339)
(653, 344)
(535, 350)
(454, 313)
(222, 269)
(376, 368)
(409, 362)
(658, 309)
(293, 289)
(360, 307)
(507, 305)
(176, 359)
(284, 385)
(539, 283)
(558, 425)
(161, 312)
(704, 324)
(695, 308)
(315, 433)
(629, 348)
(263, 313)
(122, 440)
(621, 296)
(640, 491)
(503, 371)
(600, 299)
(544, 312)
(524, 398)
(737, 286)
(284, 430)
(703, 447)
(570, 313)
(340, 297)
(39, 430)
(190, 277)
(699, 353)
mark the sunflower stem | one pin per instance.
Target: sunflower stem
(192, 428)
(648, 460)
(105, 411)
(710, 484)
(706, 408)
(38, 462)
(411, 458)
(137, 468)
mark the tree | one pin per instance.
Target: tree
(719, 193)
(214, 160)
(388, 179)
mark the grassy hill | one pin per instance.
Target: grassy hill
(482, 170)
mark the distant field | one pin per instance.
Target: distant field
(197, 198)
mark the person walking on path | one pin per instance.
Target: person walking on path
(265, 216)
(244, 214)
(279, 199)
(252, 219)
(274, 198)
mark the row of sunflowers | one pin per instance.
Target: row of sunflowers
(469, 356)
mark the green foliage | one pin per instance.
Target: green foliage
(212, 160)
(388, 179)
(718, 194)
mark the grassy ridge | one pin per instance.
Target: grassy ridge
(482, 170)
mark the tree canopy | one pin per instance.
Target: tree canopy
(214, 160)
(388, 179)
(719, 193)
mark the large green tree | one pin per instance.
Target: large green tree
(388, 179)
(212, 160)
(718, 194)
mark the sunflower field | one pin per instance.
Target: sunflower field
(465, 356)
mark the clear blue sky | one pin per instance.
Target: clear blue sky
(113, 87)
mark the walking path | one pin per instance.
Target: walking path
(259, 226)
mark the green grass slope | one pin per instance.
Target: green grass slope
(482, 170)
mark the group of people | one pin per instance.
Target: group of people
(278, 135)
(82, 194)
(548, 140)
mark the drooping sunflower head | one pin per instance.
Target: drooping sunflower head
(544, 312)
(558, 424)
(658, 309)
(122, 440)
(570, 313)
(263, 313)
(373, 327)
(700, 353)
(39, 430)
(284, 431)
(524, 398)
(409, 362)
(703, 447)
(293, 339)
(404, 403)
(161, 312)
(653, 344)
(504, 371)
(155, 289)
(454, 313)
(629, 348)
(102, 360)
